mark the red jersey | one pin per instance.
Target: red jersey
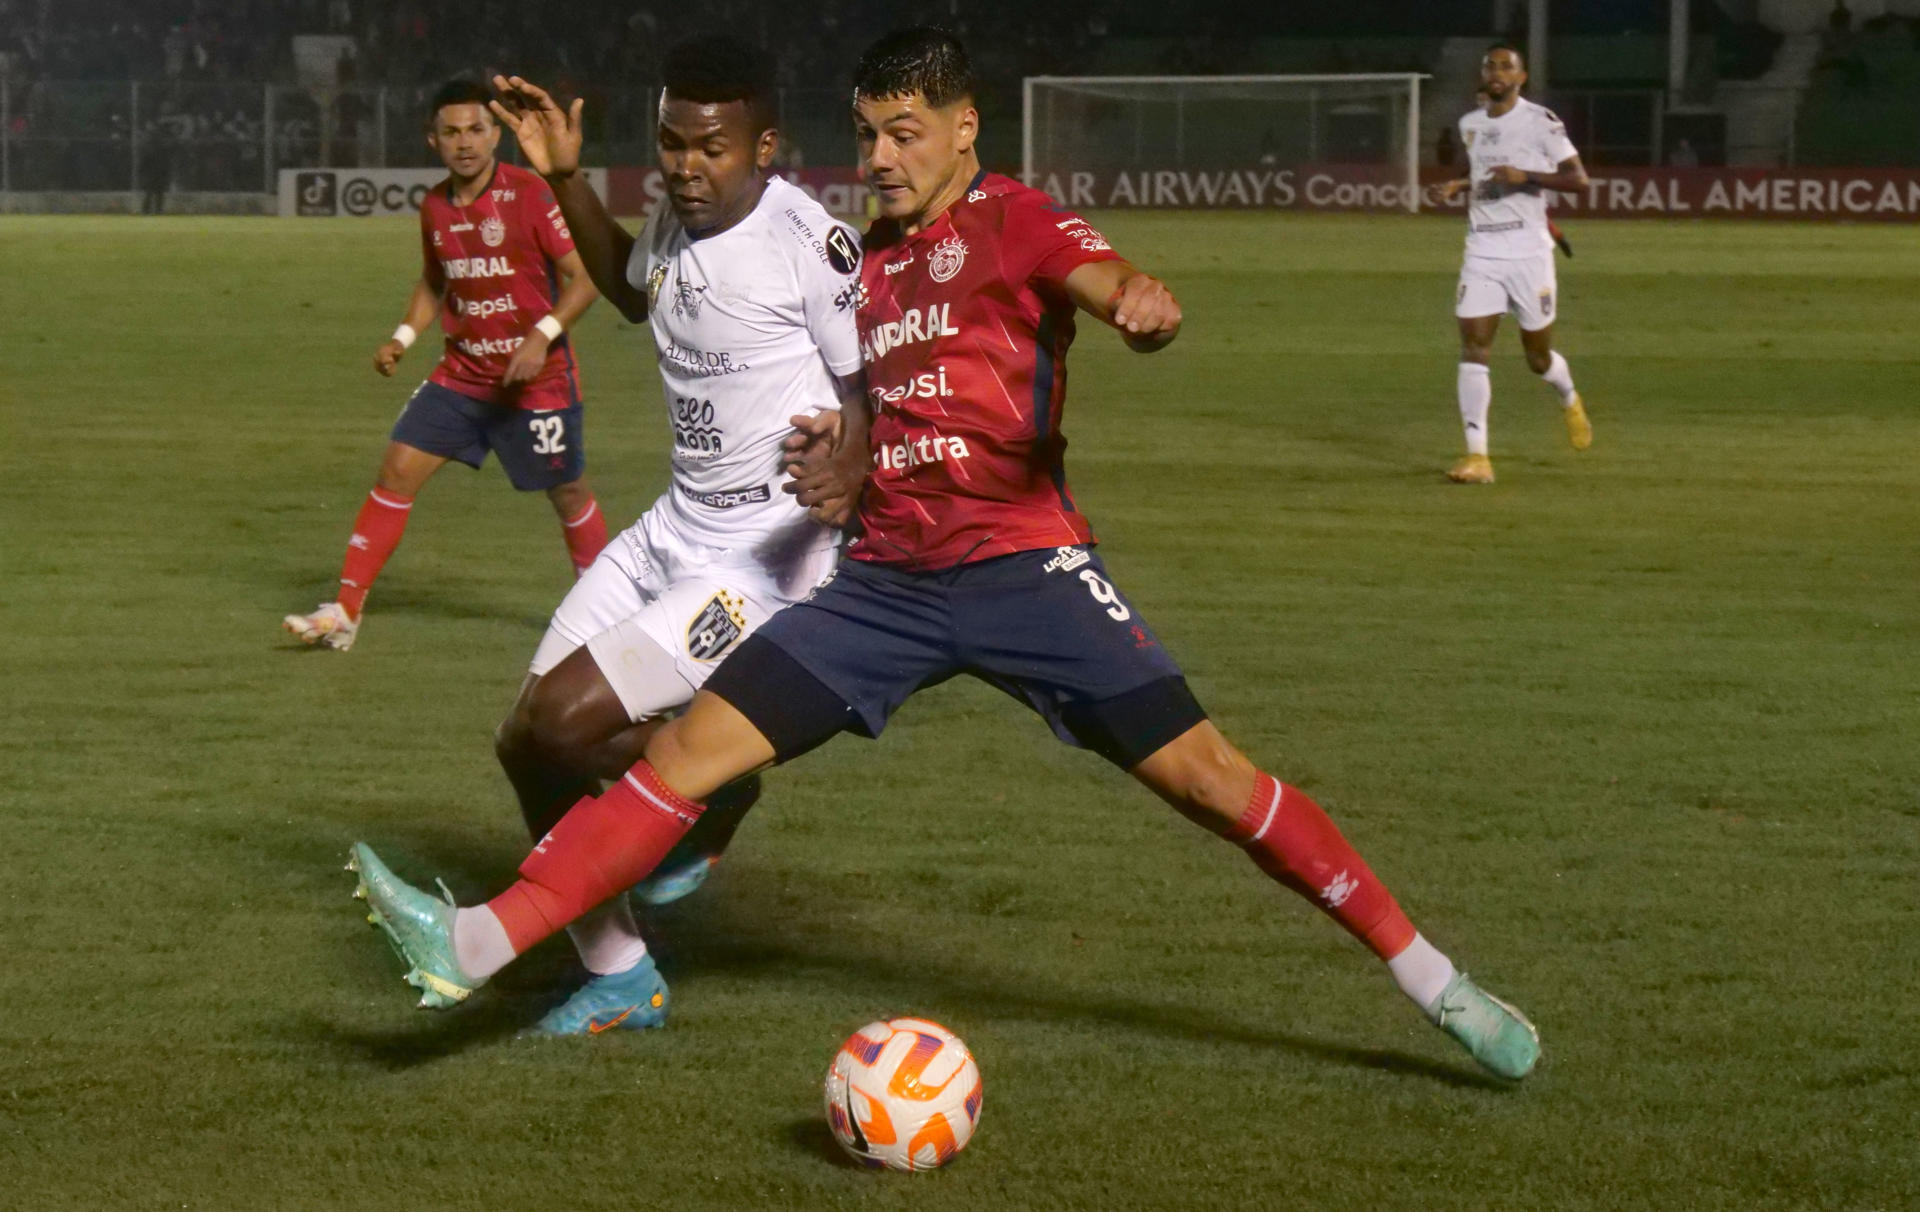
(495, 265)
(964, 327)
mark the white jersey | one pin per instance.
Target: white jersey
(1503, 221)
(751, 324)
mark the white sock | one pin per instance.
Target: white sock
(1421, 972)
(1476, 396)
(1560, 378)
(608, 939)
(480, 942)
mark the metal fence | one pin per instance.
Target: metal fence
(73, 136)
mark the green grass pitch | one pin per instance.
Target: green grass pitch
(1632, 734)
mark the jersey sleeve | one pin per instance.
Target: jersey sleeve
(829, 292)
(430, 271)
(549, 225)
(1043, 243)
(1553, 138)
(643, 249)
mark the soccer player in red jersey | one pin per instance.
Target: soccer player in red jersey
(972, 558)
(500, 272)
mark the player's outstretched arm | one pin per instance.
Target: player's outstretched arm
(576, 295)
(827, 456)
(1137, 304)
(551, 139)
(422, 306)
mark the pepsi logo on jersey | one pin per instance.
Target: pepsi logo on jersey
(485, 307)
(929, 385)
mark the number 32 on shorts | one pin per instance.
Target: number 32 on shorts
(549, 434)
(1104, 593)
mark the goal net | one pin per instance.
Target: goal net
(1338, 141)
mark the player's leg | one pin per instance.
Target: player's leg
(593, 854)
(382, 520)
(437, 425)
(545, 451)
(582, 524)
(1546, 361)
(1071, 643)
(1479, 304)
(555, 745)
(1292, 839)
(864, 656)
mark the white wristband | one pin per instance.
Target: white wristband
(550, 326)
(406, 335)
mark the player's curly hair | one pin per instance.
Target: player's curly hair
(924, 59)
(459, 92)
(715, 68)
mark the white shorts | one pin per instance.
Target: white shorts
(654, 590)
(1525, 286)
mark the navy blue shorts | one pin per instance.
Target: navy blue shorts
(1048, 627)
(539, 450)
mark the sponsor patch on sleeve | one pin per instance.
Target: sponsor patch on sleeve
(843, 250)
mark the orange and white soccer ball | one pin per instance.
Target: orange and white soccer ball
(903, 1094)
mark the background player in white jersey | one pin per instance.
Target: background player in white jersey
(750, 289)
(1516, 151)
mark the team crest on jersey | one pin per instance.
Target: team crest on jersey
(492, 231)
(655, 281)
(720, 623)
(948, 256)
(1467, 138)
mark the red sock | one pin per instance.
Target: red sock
(601, 847)
(376, 532)
(1291, 839)
(586, 534)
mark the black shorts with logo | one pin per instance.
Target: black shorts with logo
(1048, 627)
(538, 449)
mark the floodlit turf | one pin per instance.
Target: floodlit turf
(1632, 733)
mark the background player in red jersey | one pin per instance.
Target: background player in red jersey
(973, 558)
(500, 272)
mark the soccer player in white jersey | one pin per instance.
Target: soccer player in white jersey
(1516, 151)
(750, 290)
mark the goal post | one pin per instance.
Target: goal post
(1182, 140)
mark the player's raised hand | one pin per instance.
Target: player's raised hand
(549, 136)
(387, 357)
(1145, 312)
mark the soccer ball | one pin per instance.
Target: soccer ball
(903, 1094)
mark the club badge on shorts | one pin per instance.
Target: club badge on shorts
(718, 626)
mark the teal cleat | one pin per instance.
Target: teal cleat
(677, 875)
(633, 1000)
(419, 927)
(686, 866)
(1499, 1036)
